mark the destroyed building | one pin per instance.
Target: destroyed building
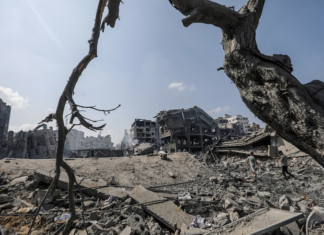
(244, 121)
(145, 131)
(264, 143)
(4, 120)
(235, 125)
(39, 143)
(231, 129)
(186, 129)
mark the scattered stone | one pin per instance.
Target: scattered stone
(234, 216)
(213, 179)
(94, 216)
(110, 224)
(171, 174)
(136, 222)
(129, 201)
(231, 204)
(154, 227)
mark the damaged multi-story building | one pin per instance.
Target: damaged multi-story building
(235, 126)
(186, 129)
(38, 143)
(231, 129)
(145, 131)
(4, 120)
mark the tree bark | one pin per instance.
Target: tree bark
(265, 83)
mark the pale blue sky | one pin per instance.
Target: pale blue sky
(149, 49)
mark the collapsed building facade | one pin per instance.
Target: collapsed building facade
(36, 144)
(263, 143)
(145, 131)
(186, 129)
(4, 120)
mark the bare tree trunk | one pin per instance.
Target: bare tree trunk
(265, 83)
(67, 96)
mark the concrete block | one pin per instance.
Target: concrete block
(88, 187)
(229, 203)
(165, 212)
(104, 193)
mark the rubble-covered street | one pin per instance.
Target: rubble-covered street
(185, 194)
(131, 118)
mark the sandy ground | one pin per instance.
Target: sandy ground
(127, 171)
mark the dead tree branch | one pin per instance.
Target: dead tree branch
(67, 96)
(265, 83)
(205, 11)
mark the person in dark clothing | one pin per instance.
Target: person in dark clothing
(284, 161)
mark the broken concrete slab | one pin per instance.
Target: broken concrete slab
(165, 212)
(88, 186)
(40, 194)
(47, 177)
(292, 228)
(18, 180)
(313, 218)
(168, 195)
(104, 193)
(261, 222)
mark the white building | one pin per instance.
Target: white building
(239, 119)
(74, 138)
(99, 142)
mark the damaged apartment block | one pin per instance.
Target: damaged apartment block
(145, 131)
(186, 129)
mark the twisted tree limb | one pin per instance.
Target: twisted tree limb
(265, 83)
(67, 96)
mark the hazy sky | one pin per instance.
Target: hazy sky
(149, 62)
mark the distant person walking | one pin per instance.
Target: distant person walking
(251, 162)
(284, 161)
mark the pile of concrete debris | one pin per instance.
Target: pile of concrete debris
(224, 201)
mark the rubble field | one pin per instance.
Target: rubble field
(184, 194)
